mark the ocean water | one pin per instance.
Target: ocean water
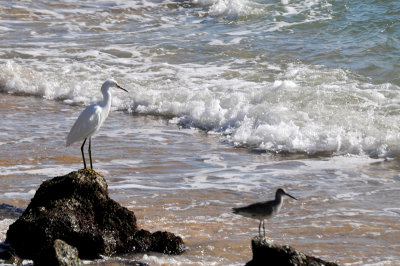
(228, 100)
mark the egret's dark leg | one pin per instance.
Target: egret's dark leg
(90, 154)
(83, 155)
(259, 228)
(264, 227)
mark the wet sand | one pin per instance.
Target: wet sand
(186, 181)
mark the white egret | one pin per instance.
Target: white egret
(91, 119)
(263, 210)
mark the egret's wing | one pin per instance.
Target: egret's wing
(86, 125)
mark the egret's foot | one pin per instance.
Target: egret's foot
(92, 172)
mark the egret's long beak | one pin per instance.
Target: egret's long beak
(119, 87)
(287, 194)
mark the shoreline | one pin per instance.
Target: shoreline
(194, 180)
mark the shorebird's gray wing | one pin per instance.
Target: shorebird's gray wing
(255, 210)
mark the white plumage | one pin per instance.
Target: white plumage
(91, 119)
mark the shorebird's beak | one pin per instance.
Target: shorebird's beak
(287, 194)
(119, 87)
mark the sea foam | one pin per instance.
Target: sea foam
(307, 109)
(220, 81)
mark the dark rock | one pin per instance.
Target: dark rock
(165, 242)
(7, 254)
(267, 253)
(76, 208)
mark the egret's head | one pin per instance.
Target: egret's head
(111, 83)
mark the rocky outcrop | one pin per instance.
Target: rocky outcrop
(76, 208)
(267, 253)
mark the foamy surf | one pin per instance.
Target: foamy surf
(306, 109)
(231, 68)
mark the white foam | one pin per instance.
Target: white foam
(19, 195)
(4, 224)
(124, 162)
(232, 8)
(35, 170)
(282, 12)
(308, 109)
(299, 108)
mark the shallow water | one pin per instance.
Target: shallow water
(294, 76)
(186, 182)
(228, 100)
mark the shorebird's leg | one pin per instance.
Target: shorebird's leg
(83, 155)
(264, 227)
(259, 228)
(90, 154)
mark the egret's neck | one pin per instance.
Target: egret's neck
(106, 104)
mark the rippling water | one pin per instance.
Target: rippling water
(228, 99)
(291, 76)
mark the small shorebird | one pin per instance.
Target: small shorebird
(263, 210)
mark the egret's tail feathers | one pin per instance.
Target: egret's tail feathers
(68, 141)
